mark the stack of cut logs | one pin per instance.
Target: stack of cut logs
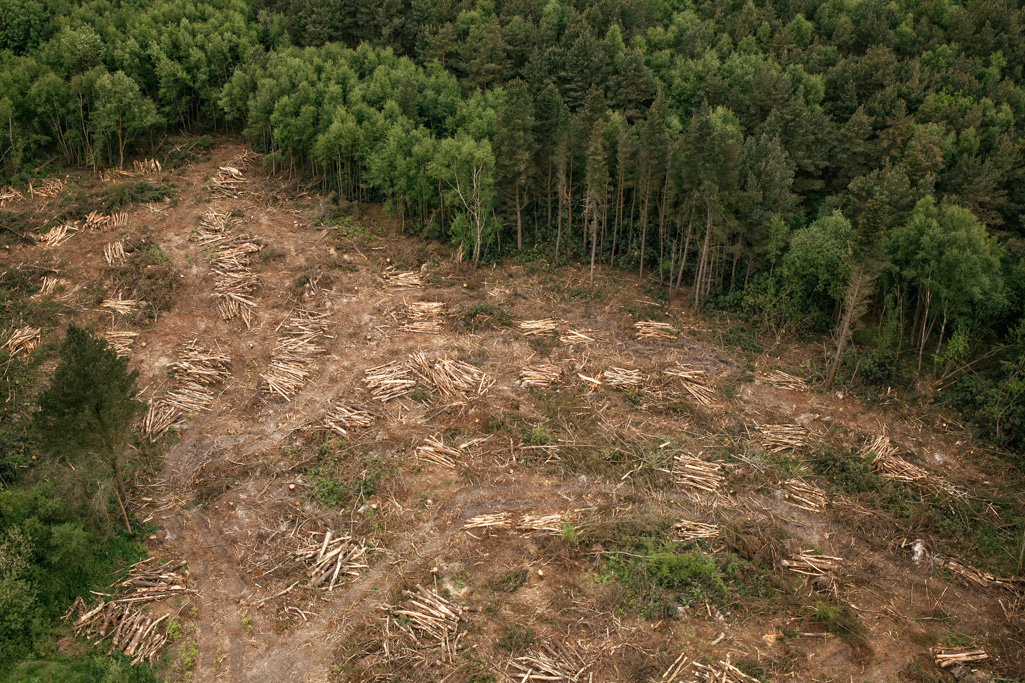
(344, 418)
(545, 524)
(333, 557)
(497, 520)
(96, 220)
(244, 159)
(121, 305)
(649, 329)
(121, 341)
(985, 579)
(424, 317)
(234, 281)
(804, 495)
(696, 473)
(688, 530)
(113, 175)
(811, 563)
(720, 672)
(146, 166)
(114, 252)
(49, 188)
(159, 418)
(543, 375)
(433, 450)
(533, 328)
(781, 379)
(950, 656)
(289, 368)
(889, 465)
(389, 381)
(623, 377)
(228, 182)
(575, 337)
(779, 438)
(450, 377)
(555, 661)
(131, 629)
(57, 235)
(9, 195)
(694, 382)
(409, 279)
(427, 613)
(195, 371)
(22, 340)
(48, 284)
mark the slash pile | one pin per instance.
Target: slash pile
(533, 328)
(121, 342)
(500, 520)
(122, 306)
(159, 418)
(9, 194)
(49, 188)
(234, 281)
(289, 368)
(623, 377)
(408, 279)
(146, 166)
(889, 465)
(812, 564)
(555, 661)
(424, 317)
(696, 473)
(781, 379)
(688, 530)
(546, 524)
(389, 381)
(649, 329)
(334, 556)
(450, 377)
(428, 614)
(114, 252)
(228, 182)
(97, 220)
(433, 450)
(575, 337)
(57, 235)
(721, 672)
(343, 418)
(544, 375)
(804, 495)
(694, 382)
(779, 438)
(195, 371)
(48, 285)
(949, 656)
(22, 340)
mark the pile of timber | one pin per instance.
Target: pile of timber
(498, 520)
(234, 281)
(9, 195)
(146, 166)
(720, 672)
(888, 465)
(96, 220)
(48, 285)
(22, 340)
(592, 382)
(113, 175)
(781, 379)
(688, 530)
(543, 375)
(424, 317)
(450, 377)
(985, 579)
(694, 382)
(228, 182)
(114, 252)
(333, 557)
(130, 629)
(575, 337)
(57, 235)
(121, 305)
(159, 418)
(811, 563)
(951, 656)
(534, 328)
(800, 493)
(407, 279)
(623, 377)
(121, 341)
(692, 472)
(389, 381)
(545, 524)
(779, 438)
(425, 613)
(649, 329)
(195, 371)
(434, 450)
(555, 661)
(49, 188)
(297, 344)
(344, 418)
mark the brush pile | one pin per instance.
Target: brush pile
(498, 520)
(888, 465)
(688, 530)
(289, 367)
(544, 375)
(694, 382)
(195, 371)
(545, 524)
(433, 450)
(159, 418)
(131, 630)
(113, 175)
(146, 166)
(810, 563)
(779, 378)
(333, 557)
(450, 377)
(122, 306)
(623, 377)
(691, 472)
(425, 613)
(649, 329)
(779, 438)
(389, 381)
(22, 340)
(406, 279)
(575, 337)
(244, 159)
(555, 661)
(424, 317)
(804, 495)
(234, 281)
(114, 252)
(57, 235)
(535, 328)
(9, 195)
(228, 182)
(950, 656)
(49, 188)
(344, 418)
(121, 341)
(721, 672)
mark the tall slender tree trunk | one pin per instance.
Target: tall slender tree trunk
(700, 276)
(519, 220)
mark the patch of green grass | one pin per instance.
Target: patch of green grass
(481, 315)
(188, 652)
(515, 639)
(337, 483)
(124, 195)
(537, 436)
(420, 395)
(512, 580)
(843, 624)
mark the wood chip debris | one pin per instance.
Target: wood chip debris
(114, 252)
(543, 375)
(234, 280)
(575, 337)
(692, 472)
(406, 279)
(533, 328)
(688, 530)
(450, 377)
(694, 381)
(781, 379)
(623, 377)
(57, 235)
(949, 656)
(389, 381)
(785, 437)
(425, 613)
(22, 340)
(121, 341)
(344, 418)
(49, 188)
(810, 563)
(332, 557)
(720, 672)
(289, 368)
(649, 329)
(800, 493)
(434, 450)
(229, 181)
(554, 661)
(121, 305)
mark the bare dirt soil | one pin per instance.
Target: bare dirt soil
(241, 486)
